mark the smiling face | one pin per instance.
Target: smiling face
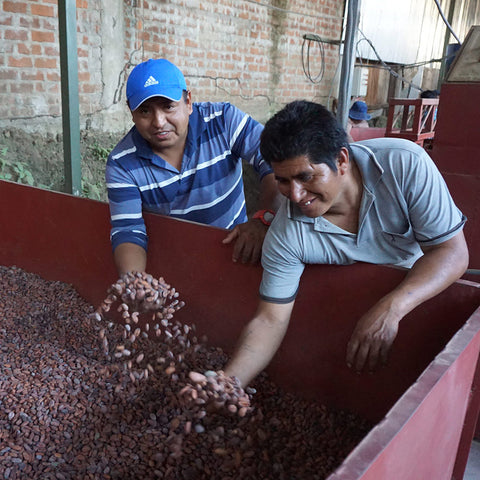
(163, 123)
(313, 187)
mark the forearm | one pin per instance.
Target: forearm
(258, 342)
(130, 257)
(376, 330)
(438, 268)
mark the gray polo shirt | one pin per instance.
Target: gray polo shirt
(405, 205)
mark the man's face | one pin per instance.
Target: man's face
(314, 188)
(163, 123)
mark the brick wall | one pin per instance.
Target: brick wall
(247, 52)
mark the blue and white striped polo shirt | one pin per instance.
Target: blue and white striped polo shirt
(209, 187)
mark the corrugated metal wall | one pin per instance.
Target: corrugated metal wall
(412, 31)
(409, 37)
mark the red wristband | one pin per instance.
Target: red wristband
(265, 216)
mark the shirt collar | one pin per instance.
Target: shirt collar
(196, 125)
(143, 148)
(368, 165)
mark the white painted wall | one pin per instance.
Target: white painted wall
(405, 31)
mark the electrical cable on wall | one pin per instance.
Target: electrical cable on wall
(426, 62)
(312, 38)
(390, 70)
(446, 21)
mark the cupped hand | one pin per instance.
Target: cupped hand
(215, 392)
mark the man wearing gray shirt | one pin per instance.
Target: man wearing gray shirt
(380, 201)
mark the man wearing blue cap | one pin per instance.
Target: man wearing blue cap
(184, 159)
(358, 117)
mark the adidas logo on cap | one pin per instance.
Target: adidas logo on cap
(150, 81)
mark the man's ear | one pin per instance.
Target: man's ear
(189, 102)
(343, 161)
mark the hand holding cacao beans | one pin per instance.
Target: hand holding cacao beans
(215, 391)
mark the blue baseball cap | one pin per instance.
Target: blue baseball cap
(359, 111)
(154, 78)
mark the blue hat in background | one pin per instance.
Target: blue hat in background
(359, 111)
(154, 78)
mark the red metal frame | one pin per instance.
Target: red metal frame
(456, 153)
(468, 431)
(418, 438)
(66, 238)
(422, 119)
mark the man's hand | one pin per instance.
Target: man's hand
(432, 273)
(248, 238)
(217, 393)
(373, 336)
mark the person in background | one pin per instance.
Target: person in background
(357, 117)
(380, 201)
(184, 159)
(429, 94)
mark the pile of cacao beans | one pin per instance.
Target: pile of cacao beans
(72, 407)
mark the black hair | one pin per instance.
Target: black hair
(303, 128)
(430, 94)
